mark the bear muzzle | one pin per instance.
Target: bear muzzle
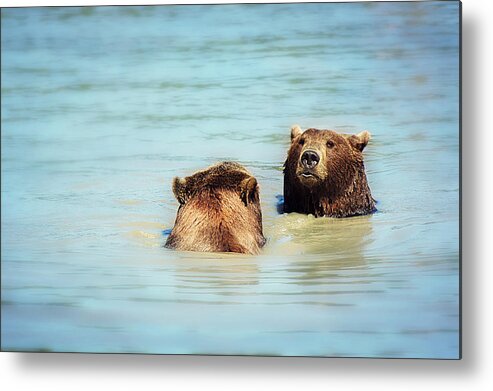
(310, 170)
(309, 159)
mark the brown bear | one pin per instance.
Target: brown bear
(324, 174)
(219, 211)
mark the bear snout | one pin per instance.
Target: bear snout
(309, 159)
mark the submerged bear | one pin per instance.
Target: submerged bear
(219, 211)
(324, 174)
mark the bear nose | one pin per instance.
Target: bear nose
(309, 159)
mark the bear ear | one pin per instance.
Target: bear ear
(295, 131)
(180, 190)
(360, 140)
(248, 189)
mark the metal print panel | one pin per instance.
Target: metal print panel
(116, 237)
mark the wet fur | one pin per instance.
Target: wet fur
(219, 211)
(341, 189)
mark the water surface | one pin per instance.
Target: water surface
(102, 107)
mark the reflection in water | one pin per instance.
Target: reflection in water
(320, 244)
(95, 126)
(213, 272)
(330, 236)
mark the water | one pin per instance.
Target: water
(102, 107)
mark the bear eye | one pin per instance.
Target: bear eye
(302, 141)
(330, 144)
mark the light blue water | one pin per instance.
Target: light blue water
(102, 107)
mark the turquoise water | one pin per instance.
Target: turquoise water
(102, 107)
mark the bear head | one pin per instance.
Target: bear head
(222, 176)
(219, 211)
(324, 158)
